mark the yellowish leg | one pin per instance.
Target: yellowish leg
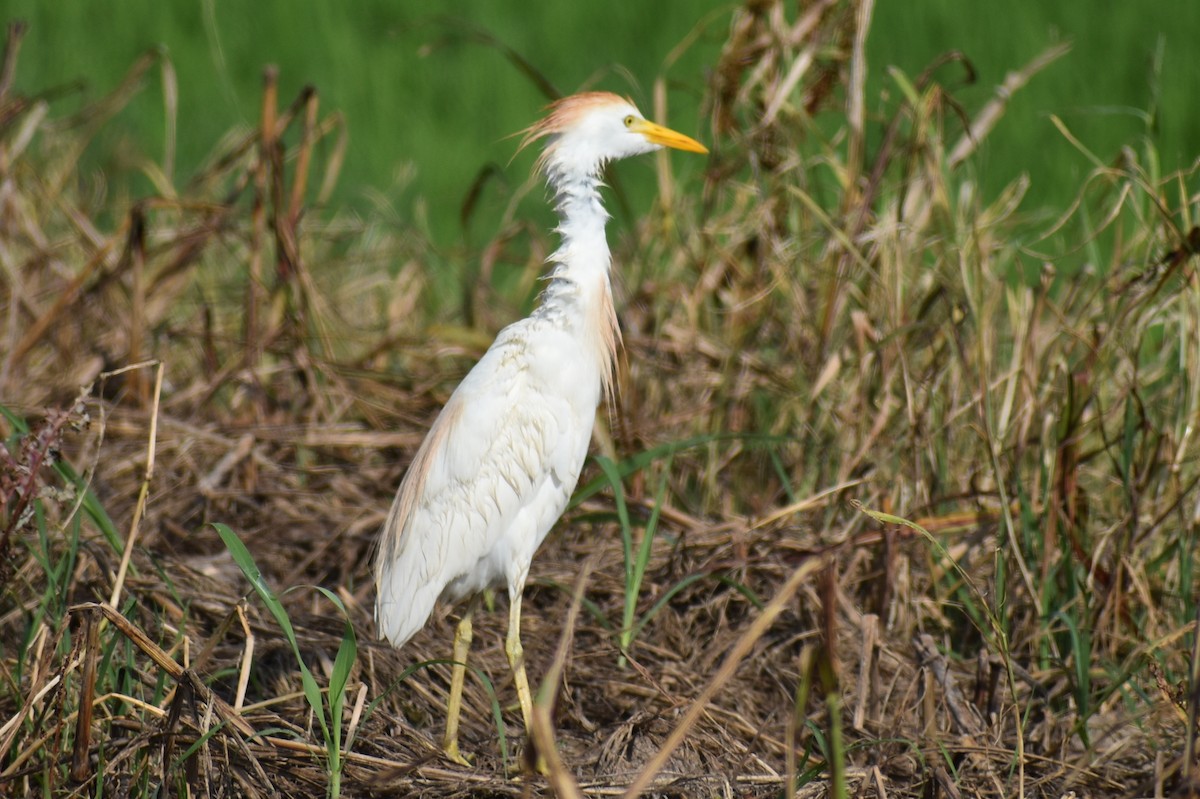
(516, 659)
(462, 645)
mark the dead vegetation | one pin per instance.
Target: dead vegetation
(919, 470)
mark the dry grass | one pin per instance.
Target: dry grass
(924, 465)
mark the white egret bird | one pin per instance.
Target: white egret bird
(502, 458)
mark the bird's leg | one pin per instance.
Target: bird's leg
(516, 659)
(462, 645)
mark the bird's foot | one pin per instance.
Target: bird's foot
(532, 760)
(450, 749)
(531, 770)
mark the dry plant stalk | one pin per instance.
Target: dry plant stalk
(891, 336)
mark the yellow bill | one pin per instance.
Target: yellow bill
(657, 134)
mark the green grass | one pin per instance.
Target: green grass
(1123, 83)
(431, 104)
(420, 90)
(1011, 392)
(327, 706)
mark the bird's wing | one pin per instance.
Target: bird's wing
(484, 466)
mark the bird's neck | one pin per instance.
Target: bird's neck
(579, 294)
(583, 252)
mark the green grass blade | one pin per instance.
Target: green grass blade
(613, 476)
(245, 562)
(637, 570)
(667, 596)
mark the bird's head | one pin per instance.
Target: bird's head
(586, 131)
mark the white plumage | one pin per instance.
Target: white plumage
(500, 462)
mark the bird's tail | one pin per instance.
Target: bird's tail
(400, 608)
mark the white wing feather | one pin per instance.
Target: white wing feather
(493, 475)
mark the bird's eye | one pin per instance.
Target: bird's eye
(629, 121)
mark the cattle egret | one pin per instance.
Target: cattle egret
(502, 458)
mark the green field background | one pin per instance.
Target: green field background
(430, 99)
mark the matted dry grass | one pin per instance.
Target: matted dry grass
(805, 355)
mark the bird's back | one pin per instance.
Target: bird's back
(493, 475)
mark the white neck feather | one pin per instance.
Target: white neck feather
(579, 294)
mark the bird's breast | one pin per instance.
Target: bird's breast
(559, 361)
